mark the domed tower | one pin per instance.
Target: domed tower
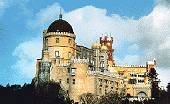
(59, 41)
(58, 48)
(96, 51)
(103, 58)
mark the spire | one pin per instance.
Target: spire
(60, 15)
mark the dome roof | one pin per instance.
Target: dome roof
(96, 45)
(60, 26)
(104, 48)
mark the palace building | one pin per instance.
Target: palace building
(81, 70)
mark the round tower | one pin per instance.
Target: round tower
(59, 41)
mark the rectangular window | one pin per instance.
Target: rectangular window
(132, 81)
(105, 91)
(67, 80)
(100, 91)
(111, 83)
(60, 80)
(69, 69)
(69, 41)
(73, 81)
(102, 64)
(69, 54)
(57, 40)
(100, 82)
(56, 54)
(140, 81)
(73, 71)
(106, 81)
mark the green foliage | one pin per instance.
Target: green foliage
(110, 98)
(88, 98)
(44, 93)
(114, 98)
(52, 93)
(152, 73)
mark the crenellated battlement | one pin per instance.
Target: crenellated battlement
(80, 61)
(60, 34)
(131, 66)
(105, 73)
(106, 39)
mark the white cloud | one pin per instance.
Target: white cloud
(90, 23)
(45, 16)
(163, 2)
(164, 76)
(27, 52)
(155, 33)
(149, 34)
(130, 60)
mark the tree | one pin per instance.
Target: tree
(50, 93)
(168, 91)
(111, 98)
(88, 98)
(152, 73)
(44, 93)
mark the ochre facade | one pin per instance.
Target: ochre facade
(81, 70)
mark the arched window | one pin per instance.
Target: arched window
(142, 94)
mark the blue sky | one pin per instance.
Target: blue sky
(131, 23)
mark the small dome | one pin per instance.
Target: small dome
(104, 48)
(60, 26)
(96, 45)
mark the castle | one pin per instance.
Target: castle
(81, 70)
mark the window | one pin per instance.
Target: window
(69, 69)
(106, 81)
(141, 76)
(140, 81)
(69, 41)
(57, 40)
(67, 80)
(73, 71)
(73, 81)
(60, 80)
(133, 75)
(69, 54)
(111, 83)
(56, 53)
(106, 91)
(132, 81)
(100, 91)
(100, 82)
(102, 64)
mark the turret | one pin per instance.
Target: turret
(59, 40)
(108, 41)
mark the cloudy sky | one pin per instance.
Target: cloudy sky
(140, 28)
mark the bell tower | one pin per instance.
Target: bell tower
(108, 41)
